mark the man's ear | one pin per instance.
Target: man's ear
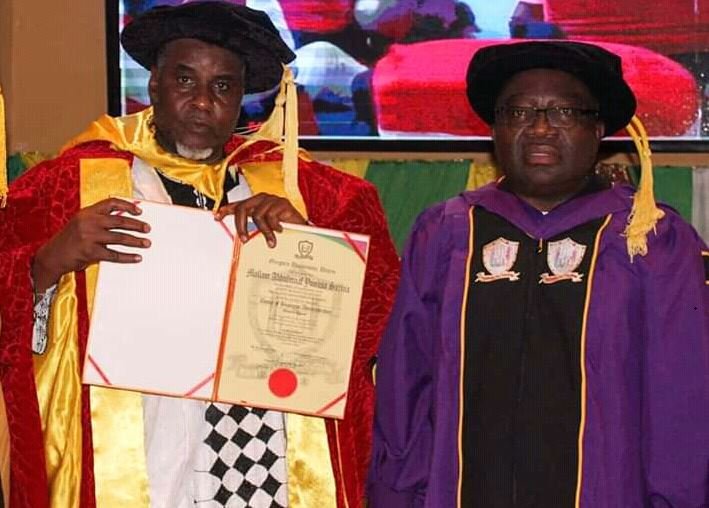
(600, 130)
(153, 85)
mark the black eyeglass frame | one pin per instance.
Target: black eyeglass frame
(556, 119)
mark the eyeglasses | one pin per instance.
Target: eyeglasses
(557, 116)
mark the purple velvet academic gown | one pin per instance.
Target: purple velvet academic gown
(644, 429)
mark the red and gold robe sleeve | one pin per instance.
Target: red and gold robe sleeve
(39, 204)
(339, 201)
(358, 209)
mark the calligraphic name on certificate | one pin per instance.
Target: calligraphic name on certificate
(206, 316)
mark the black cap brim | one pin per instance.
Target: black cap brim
(247, 32)
(600, 70)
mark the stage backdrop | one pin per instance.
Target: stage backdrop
(407, 187)
(394, 69)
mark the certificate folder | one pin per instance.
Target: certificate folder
(206, 316)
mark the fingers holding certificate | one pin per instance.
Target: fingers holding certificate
(266, 211)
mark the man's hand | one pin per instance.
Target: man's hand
(267, 212)
(84, 241)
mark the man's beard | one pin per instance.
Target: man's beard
(194, 154)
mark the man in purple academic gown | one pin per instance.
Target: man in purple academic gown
(543, 353)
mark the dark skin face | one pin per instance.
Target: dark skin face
(196, 90)
(546, 165)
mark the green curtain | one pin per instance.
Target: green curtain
(673, 186)
(20, 162)
(15, 167)
(407, 188)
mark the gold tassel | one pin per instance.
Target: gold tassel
(290, 152)
(282, 128)
(645, 213)
(3, 154)
(272, 128)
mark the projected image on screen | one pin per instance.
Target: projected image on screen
(395, 69)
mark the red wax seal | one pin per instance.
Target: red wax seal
(282, 382)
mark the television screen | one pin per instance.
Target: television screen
(395, 69)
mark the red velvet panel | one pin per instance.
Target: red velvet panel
(40, 203)
(317, 16)
(420, 88)
(669, 27)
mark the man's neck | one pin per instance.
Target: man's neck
(547, 203)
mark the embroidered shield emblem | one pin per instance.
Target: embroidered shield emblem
(563, 257)
(499, 257)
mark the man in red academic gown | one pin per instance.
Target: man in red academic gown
(75, 446)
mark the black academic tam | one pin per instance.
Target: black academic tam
(247, 32)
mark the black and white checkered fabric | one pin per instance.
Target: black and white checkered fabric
(248, 465)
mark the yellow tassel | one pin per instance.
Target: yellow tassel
(272, 128)
(282, 128)
(645, 213)
(3, 154)
(290, 152)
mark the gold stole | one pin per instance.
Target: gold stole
(117, 416)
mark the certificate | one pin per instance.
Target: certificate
(206, 316)
(292, 321)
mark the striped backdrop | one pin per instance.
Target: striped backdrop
(408, 187)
